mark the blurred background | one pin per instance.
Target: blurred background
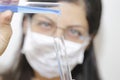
(107, 42)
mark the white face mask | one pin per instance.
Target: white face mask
(40, 53)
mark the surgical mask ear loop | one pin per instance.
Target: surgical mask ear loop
(65, 73)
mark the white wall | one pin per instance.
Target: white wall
(108, 41)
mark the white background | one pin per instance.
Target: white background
(108, 41)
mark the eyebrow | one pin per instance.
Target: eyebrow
(79, 26)
(47, 18)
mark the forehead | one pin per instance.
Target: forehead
(71, 14)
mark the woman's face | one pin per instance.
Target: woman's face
(72, 23)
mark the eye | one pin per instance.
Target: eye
(75, 33)
(45, 25)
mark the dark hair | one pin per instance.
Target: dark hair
(86, 71)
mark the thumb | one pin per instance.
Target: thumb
(5, 17)
(5, 29)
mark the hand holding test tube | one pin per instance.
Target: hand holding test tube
(5, 27)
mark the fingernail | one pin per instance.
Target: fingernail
(5, 2)
(7, 16)
(8, 12)
(14, 2)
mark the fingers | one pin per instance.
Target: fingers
(5, 17)
(14, 2)
(5, 30)
(9, 2)
(5, 2)
(5, 27)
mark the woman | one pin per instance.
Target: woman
(75, 13)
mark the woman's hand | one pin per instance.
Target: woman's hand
(5, 27)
